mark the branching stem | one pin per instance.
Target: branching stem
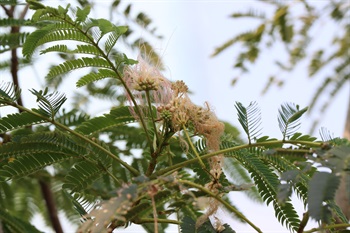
(152, 117)
(303, 222)
(105, 56)
(341, 225)
(192, 147)
(232, 149)
(154, 214)
(84, 138)
(217, 197)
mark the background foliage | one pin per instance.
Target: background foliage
(88, 177)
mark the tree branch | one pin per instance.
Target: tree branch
(217, 197)
(50, 205)
(336, 226)
(45, 187)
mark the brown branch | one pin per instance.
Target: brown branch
(7, 11)
(44, 186)
(303, 222)
(24, 12)
(51, 206)
(14, 58)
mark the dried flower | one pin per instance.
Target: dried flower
(179, 87)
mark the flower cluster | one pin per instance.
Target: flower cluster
(174, 105)
(176, 108)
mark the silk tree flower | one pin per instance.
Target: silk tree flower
(142, 78)
(174, 105)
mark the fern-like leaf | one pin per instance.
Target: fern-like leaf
(71, 118)
(47, 34)
(92, 77)
(56, 48)
(113, 38)
(15, 224)
(9, 22)
(299, 181)
(26, 165)
(267, 183)
(326, 135)
(79, 63)
(322, 188)
(8, 2)
(12, 40)
(41, 143)
(116, 117)
(87, 49)
(235, 171)
(337, 211)
(288, 118)
(8, 93)
(188, 225)
(250, 119)
(18, 120)
(82, 175)
(82, 203)
(49, 104)
(301, 137)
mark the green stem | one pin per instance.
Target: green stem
(105, 56)
(113, 177)
(226, 204)
(192, 147)
(236, 148)
(82, 137)
(152, 118)
(341, 225)
(160, 220)
(137, 108)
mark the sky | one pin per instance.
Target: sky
(191, 31)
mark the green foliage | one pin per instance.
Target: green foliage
(150, 156)
(292, 27)
(322, 189)
(250, 119)
(91, 77)
(8, 93)
(189, 226)
(49, 103)
(18, 120)
(267, 184)
(15, 224)
(288, 119)
(116, 117)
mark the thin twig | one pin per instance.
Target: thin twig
(51, 206)
(193, 148)
(7, 11)
(226, 204)
(342, 225)
(232, 149)
(154, 214)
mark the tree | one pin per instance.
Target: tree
(294, 27)
(183, 147)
